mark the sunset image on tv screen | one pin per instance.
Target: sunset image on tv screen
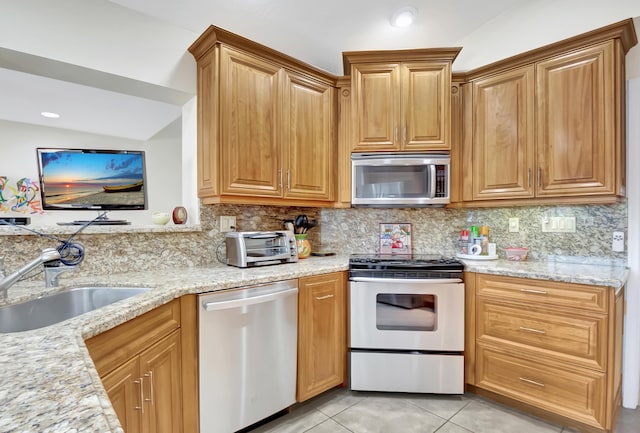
(92, 178)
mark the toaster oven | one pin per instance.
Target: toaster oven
(247, 249)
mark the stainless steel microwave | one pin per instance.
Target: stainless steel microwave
(399, 179)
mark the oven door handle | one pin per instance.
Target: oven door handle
(407, 280)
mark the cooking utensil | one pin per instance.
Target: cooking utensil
(300, 222)
(311, 224)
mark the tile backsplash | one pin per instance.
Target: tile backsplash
(345, 231)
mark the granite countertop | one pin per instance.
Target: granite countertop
(580, 271)
(48, 382)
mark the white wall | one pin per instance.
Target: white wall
(163, 156)
(631, 355)
(102, 36)
(539, 23)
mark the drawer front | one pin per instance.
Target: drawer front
(578, 339)
(113, 347)
(575, 393)
(535, 292)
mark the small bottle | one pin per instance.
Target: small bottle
(464, 242)
(484, 235)
(473, 233)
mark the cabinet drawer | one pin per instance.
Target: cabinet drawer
(578, 339)
(113, 347)
(536, 292)
(571, 392)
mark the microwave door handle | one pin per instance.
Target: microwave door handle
(432, 173)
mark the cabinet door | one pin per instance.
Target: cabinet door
(161, 371)
(576, 120)
(376, 106)
(309, 138)
(249, 120)
(322, 335)
(426, 106)
(124, 388)
(503, 138)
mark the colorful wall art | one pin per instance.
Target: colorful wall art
(395, 238)
(23, 198)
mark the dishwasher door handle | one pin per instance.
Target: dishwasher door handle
(235, 303)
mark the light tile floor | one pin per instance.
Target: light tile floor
(345, 411)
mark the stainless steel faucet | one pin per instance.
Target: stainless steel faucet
(51, 273)
(48, 255)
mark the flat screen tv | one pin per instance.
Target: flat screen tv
(92, 179)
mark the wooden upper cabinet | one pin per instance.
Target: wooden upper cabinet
(503, 135)
(266, 125)
(376, 90)
(309, 138)
(401, 100)
(249, 121)
(548, 124)
(426, 106)
(576, 115)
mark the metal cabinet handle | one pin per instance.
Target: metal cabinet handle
(529, 177)
(539, 177)
(396, 135)
(149, 374)
(404, 134)
(320, 298)
(535, 331)
(537, 292)
(289, 180)
(280, 176)
(532, 382)
(141, 395)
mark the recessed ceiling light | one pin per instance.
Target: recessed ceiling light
(404, 17)
(50, 115)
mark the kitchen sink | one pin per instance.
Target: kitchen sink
(56, 307)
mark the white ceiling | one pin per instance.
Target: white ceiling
(318, 31)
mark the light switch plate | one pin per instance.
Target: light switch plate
(514, 225)
(559, 224)
(618, 242)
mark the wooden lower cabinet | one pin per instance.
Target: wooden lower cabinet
(145, 391)
(322, 347)
(572, 392)
(549, 347)
(147, 371)
(123, 387)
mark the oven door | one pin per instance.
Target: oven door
(404, 314)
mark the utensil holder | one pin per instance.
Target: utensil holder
(304, 247)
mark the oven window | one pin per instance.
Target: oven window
(406, 312)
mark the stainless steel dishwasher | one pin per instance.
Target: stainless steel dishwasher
(248, 350)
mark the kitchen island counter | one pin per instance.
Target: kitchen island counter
(48, 382)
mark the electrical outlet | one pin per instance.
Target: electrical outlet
(514, 225)
(618, 242)
(227, 223)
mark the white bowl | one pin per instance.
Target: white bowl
(160, 218)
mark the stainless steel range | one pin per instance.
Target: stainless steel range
(406, 324)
